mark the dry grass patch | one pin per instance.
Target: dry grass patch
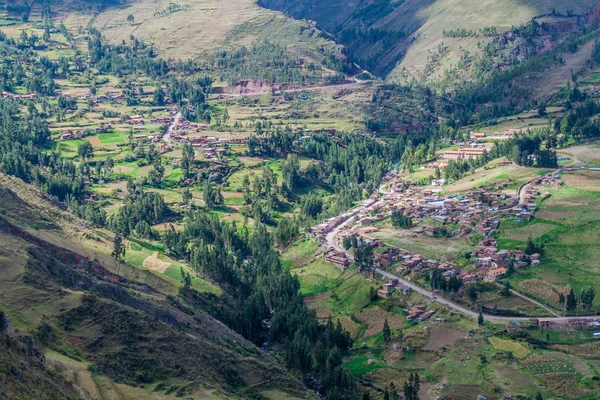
(416, 338)
(529, 231)
(386, 376)
(543, 290)
(563, 384)
(556, 215)
(318, 302)
(375, 318)
(585, 180)
(585, 350)
(515, 348)
(94, 141)
(349, 326)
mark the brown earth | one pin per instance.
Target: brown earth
(440, 336)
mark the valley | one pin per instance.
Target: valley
(223, 199)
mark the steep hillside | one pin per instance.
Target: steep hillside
(199, 28)
(58, 285)
(395, 38)
(23, 371)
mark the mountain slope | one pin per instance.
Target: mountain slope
(393, 38)
(56, 286)
(199, 28)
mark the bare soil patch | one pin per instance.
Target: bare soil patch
(95, 141)
(154, 264)
(233, 195)
(440, 337)
(167, 226)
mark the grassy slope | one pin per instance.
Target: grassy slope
(203, 27)
(116, 318)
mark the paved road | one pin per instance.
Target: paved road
(523, 188)
(331, 239)
(167, 136)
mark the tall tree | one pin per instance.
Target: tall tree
(118, 249)
(363, 256)
(387, 333)
(571, 301)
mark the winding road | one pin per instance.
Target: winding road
(332, 241)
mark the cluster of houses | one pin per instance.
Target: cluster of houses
(419, 313)
(17, 97)
(493, 263)
(467, 153)
(101, 98)
(337, 258)
(478, 209)
(70, 134)
(571, 323)
(478, 136)
(393, 285)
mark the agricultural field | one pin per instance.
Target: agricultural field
(492, 174)
(565, 224)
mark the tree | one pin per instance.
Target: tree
(387, 333)
(561, 299)
(118, 249)
(587, 297)
(186, 196)
(505, 290)
(247, 193)
(187, 279)
(291, 171)
(130, 18)
(538, 396)
(346, 242)
(412, 386)
(472, 292)
(211, 195)
(85, 149)
(399, 220)
(542, 110)
(159, 96)
(372, 293)
(480, 319)
(532, 248)
(363, 256)
(571, 301)
(187, 160)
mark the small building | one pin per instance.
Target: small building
(495, 272)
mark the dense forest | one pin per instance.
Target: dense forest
(269, 308)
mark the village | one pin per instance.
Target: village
(477, 211)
